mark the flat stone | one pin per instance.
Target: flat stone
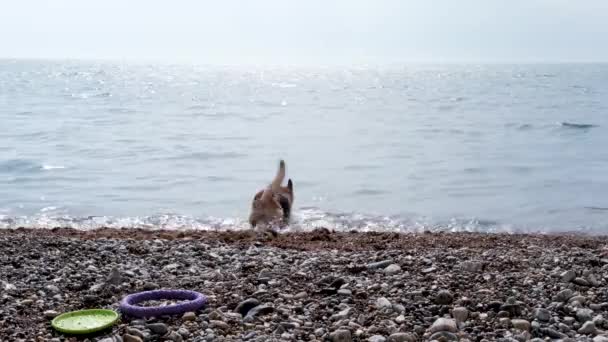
(392, 269)
(521, 324)
(564, 295)
(444, 324)
(568, 276)
(379, 264)
(259, 310)
(382, 303)
(246, 305)
(376, 338)
(542, 314)
(581, 281)
(587, 328)
(444, 336)
(219, 324)
(50, 314)
(131, 338)
(341, 335)
(158, 328)
(189, 316)
(345, 292)
(429, 270)
(401, 337)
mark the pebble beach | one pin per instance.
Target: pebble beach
(314, 286)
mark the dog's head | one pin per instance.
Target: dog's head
(273, 204)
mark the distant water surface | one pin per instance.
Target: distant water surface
(413, 147)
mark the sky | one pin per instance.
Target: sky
(307, 31)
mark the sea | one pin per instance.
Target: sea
(497, 148)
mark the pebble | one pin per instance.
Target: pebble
(50, 314)
(401, 337)
(564, 295)
(392, 269)
(382, 303)
(189, 316)
(158, 328)
(341, 335)
(259, 310)
(246, 305)
(135, 332)
(131, 338)
(587, 328)
(542, 314)
(460, 313)
(376, 338)
(219, 324)
(580, 281)
(520, 324)
(584, 315)
(173, 336)
(443, 324)
(568, 276)
(444, 336)
(444, 297)
(379, 264)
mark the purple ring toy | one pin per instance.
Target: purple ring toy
(195, 301)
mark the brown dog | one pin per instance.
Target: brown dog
(273, 204)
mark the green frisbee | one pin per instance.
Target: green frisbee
(84, 321)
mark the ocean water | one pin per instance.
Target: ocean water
(496, 148)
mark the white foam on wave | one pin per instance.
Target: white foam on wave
(305, 219)
(47, 167)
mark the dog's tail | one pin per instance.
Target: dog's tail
(278, 179)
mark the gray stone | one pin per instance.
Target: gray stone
(189, 316)
(587, 328)
(135, 332)
(520, 324)
(600, 339)
(259, 310)
(444, 336)
(379, 264)
(382, 303)
(50, 314)
(444, 297)
(568, 276)
(581, 281)
(564, 295)
(471, 266)
(219, 324)
(584, 315)
(542, 314)
(173, 336)
(345, 292)
(376, 338)
(158, 328)
(341, 335)
(246, 305)
(552, 333)
(52, 288)
(131, 338)
(460, 314)
(443, 324)
(392, 269)
(401, 337)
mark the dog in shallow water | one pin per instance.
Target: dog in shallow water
(272, 206)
